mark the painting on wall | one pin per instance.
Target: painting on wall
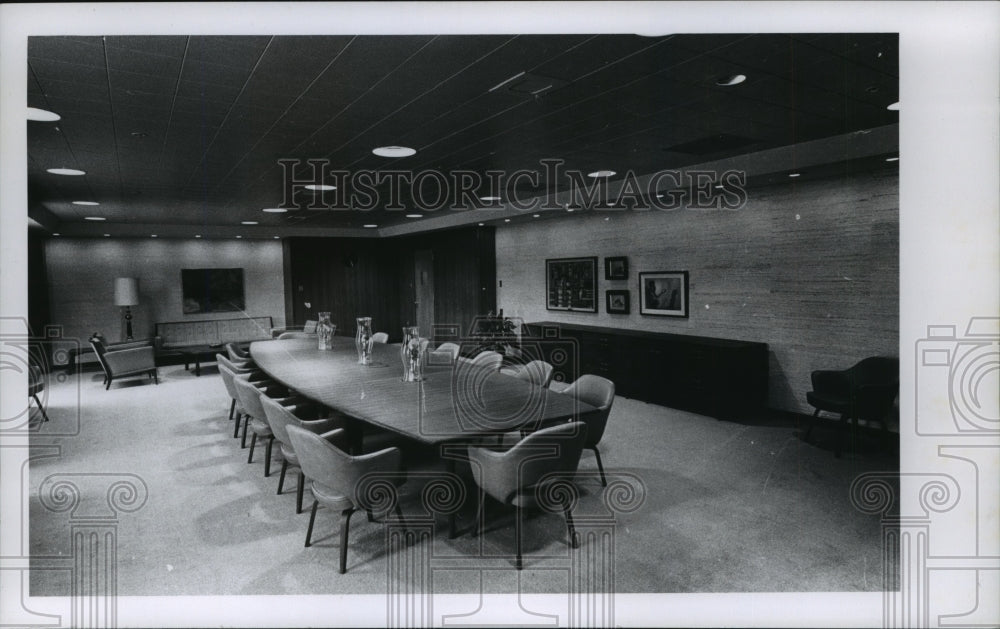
(212, 290)
(616, 302)
(664, 293)
(571, 284)
(616, 268)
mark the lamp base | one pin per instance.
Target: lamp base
(127, 323)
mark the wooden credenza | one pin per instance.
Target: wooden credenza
(721, 378)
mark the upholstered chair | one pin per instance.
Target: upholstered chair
(341, 481)
(600, 393)
(537, 372)
(125, 362)
(451, 348)
(36, 384)
(487, 360)
(304, 416)
(380, 337)
(528, 470)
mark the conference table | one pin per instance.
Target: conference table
(456, 403)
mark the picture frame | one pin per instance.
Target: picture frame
(663, 293)
(617, 302)
(571, 284)
(616, 268)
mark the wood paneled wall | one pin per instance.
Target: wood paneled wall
(375, 277)
(810, 268)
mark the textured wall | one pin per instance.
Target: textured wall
(810, 268)
(81, 276)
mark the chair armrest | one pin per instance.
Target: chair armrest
(337, 437)
(873, 401)
(128, 360)
(321, 427)
(829, 381)
(493, 471)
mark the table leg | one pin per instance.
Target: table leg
(197, 365)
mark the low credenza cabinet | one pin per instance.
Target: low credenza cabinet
(722, 378)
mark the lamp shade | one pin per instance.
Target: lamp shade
(126, 291)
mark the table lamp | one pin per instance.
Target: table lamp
(126, 296)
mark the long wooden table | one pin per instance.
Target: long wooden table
(454, 403)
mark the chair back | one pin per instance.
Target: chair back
(595, 391)
(325, 463)
(875, 384)
(310, 326)
(36, 383)
(380, 337)
(537, 372)
(249, 398)
(235, 367)
(228, 376)
(878, 370)
(550, 451)
(279, 418)
(451, 348)
(235, 353)
(99, 350)
(488, 360)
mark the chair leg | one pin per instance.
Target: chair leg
(517, 538)
(246, 420)
(156, 377)
(298, 492)
(236, 428)
(371, 516)
(232, 408)
(812, 424)
(267, 457)
(574, 541)
(40, 407)
(836, 448)
(253, 442)
(479, 525)
(281, 477)
(108, 384)
(600, 466)
(345, 528)
(312, 519)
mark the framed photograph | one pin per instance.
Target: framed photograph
(616, 301)
(616, 268)
(571, 284)
(664, 293)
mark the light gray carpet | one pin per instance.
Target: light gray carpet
(728, 507)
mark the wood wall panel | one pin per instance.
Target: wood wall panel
(381, 282)
(811, 269)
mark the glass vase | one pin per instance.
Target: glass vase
(325, 330)
(363, 340)
(412, 354)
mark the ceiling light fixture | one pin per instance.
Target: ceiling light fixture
(489, 198)
(42, 115)
(274, 210)
(94, 218)
(239, 236)
(735, 79)
(277, 237)
(894, 106)
(70, 172)
(506, 220)
(370, 226)
(892, 159)
(414, 216)
(197, 235)
(107, 235)
(320, 187)
(535, 215)
(152, 235)
(394, 151)
(85, 203)
(794, 174)
(248, 222)
(601, 173)
(569, 209)
(480, 224)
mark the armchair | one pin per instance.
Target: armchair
(36, 384)
(867, 391)
(520, 475)
(599, 392)
(124, 360)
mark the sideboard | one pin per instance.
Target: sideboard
(722, 378)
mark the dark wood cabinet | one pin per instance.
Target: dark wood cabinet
(722, 378)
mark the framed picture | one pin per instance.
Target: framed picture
(664, 293)
(616, 268)
(571, 284)
(212, 290)
(616, 301)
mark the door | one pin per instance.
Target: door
(423, 284)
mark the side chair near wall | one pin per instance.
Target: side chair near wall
(36, 384)
(599, 392)
(304, 416)
(124, 360)
(380, 337)
(337, 478)
(527, 471)
(867, 390)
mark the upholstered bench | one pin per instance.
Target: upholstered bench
(190, 340)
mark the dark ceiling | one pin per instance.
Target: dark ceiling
(188, 131)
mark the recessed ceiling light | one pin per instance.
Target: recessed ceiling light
(72, 172)
(85, 203)
(506, 220)
(139, 134)
(248, 222)
(607, 218)
(735, 79)
(239, 236)
(41, 115)
(894, 106)
(277, 237)
(414, 216)
(274, 210)
(320, 186)
(794, 174)
(569, 209)
(94, 218)
(480, 224)
(107, 235)
(719, 186)
(892, 159)
(394, 151)
(601, 173)
(197, 235)
(152, 235)
(535, 215)
(55, 233)
(489, 198)
(370, 226)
